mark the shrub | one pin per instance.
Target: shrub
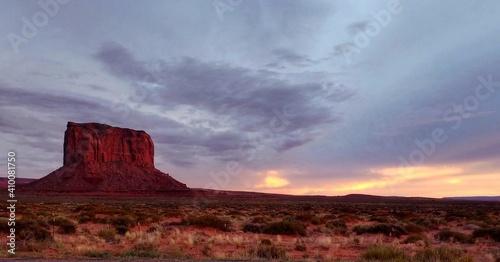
(101, 220)
(208, 221)
(324, 242)
(122, 223)
(259, 219)
(127, 221)
(414, 228)
(97, 254)
(266, 241)
(304, 217)
(143, 250)
(141, 218)
(84, 219)
(154, 229)
(300, 247)
(380, 219)
(336, 223)
(155, 218)
(383, 228)
(317, 220)
(207, 250)
(66, 227)
(172, 213)
(270, 252)
(449, 236)
(356, 241)
(432, 224)
(416, 238)
(494, 233)
(457, 215)
(384, 253)
(442, 254)
(338, 226)
(57, 221)
(285, 227)
(107, 234)
(254, 228)
(235, 213)
(122, 230)
(32, 228)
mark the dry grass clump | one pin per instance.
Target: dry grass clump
(384, 253)
(285, 227)
(208, 221)
(260, 219)
(30, 228)
(442, 254)
(65, 226)
(267, 250)
(426, 223)
(122, 223)
(308, 217)
(382, 228)
(300, 245)
(417, 238)
(254, 228)
(411, 227)
(339, 226)
(451, 236)
(109, 235)
(324, 242)
(493, 233)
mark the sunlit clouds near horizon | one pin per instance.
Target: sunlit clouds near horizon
(393, 98)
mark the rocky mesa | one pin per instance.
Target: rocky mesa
(102, 158)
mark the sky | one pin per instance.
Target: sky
(392, 98)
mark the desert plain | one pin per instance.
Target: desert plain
(259, 227)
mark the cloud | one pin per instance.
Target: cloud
(418, 172)
(273, 180)
(222, 105)
(290, 57)
(49, 113)
(357, 27)
(119, 61)
(45, 101)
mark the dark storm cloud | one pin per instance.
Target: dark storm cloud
(250, 101)
(14, 122)
(357, 27)
(119, 61)
(44, 101)
(290, 57)
(186, 148)
(36, 103)
(97, 87)
(37, 107)
(288, 143)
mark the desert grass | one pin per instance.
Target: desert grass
(296, 230)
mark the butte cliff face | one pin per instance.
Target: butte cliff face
(102, 158)
(98, 143)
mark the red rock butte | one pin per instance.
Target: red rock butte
(102, 158)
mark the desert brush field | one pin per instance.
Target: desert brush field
(255, 229)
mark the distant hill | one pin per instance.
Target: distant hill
(475, 198)
(200, 192)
